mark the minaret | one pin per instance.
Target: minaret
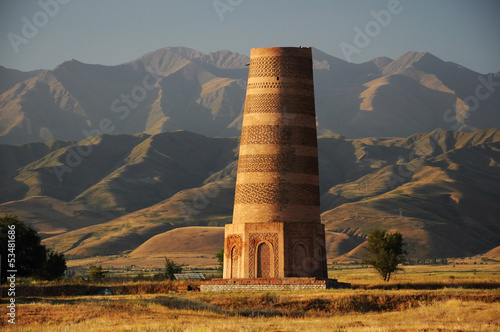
(276, 230)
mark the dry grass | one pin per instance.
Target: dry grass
(193, 312)
(445, 309)
(446, 275)
(190, 259)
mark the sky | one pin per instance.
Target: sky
(43, 34)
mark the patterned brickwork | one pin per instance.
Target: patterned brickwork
(307, 87)
(277, 183)
(233, 243)
(259, 287)
(277, 193)
(256, 238)
(235, 261)
(281, 66)
(272, 284)
(263, 261)
(281, 135)
(279, 103)
(233, 240)
(278, 163)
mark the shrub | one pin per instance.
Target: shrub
(96, 273)
(172, 268)
(385, 252)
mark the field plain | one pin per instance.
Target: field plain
(445, 303)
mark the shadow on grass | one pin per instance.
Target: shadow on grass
(184, 304)
(197, 305)
(33, 300)
(280, 305)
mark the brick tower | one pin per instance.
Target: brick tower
(276, 230)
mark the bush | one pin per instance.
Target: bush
(220, 259)
(54, 267)
(172, 268)
(96, 273)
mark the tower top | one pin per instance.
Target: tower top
(281, 51)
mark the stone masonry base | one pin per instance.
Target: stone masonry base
(251, 284)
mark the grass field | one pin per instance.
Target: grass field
(450, 307)
(460, 271)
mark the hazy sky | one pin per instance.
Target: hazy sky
(111, 32)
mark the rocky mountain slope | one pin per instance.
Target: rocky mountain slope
(440, 189)
(179, 88)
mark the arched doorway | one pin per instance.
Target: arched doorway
(235, 262)
(264, 263)
(299, 261)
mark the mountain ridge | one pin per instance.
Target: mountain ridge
(101, 159)
(446, 184)
(180, 88)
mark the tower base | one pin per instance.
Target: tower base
(269, 284)
(275, 250)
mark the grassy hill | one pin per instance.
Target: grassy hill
(52, 217)
(440, 189)
(493, 254)
(191, 207)
(192, 239)
(440, 194)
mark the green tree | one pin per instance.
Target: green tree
(32, 259)
(172, 268)
(220, 259)
(54, 266)
(384, 252)
(96, 273)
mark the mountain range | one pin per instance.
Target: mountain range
(119, 160)
(440, 189)
(179, 88)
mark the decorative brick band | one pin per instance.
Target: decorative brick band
(269, 281)
(278, 180)
(275, 134)
(272, 284)
(279, 103)
(258, 287)
(277, 193)
(307, 87)
(281, 66)
(278, 163)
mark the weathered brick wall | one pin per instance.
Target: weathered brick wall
(254, 284)
(259, 287)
